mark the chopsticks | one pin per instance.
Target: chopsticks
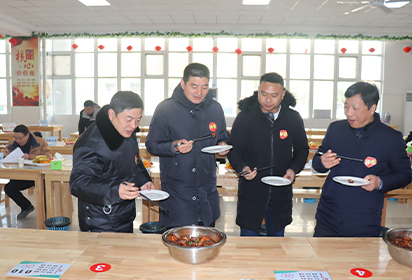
(243, 173)
(343, 157)
(204, 137)
(144, 196)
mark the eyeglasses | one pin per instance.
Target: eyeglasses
(19, 138)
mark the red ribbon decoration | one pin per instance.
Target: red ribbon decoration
(74, 46)
(215, 49)
(407, 49)
(158, 48)
(212, 127)
(129, 48)
(238, 51)
(101, 47)
(343, 50)
(371, 50)
(271, 50)
(189, 48)
(13, 41)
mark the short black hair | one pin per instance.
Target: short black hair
(368, 92)
(125, 100)
(196, 70)
(273, 78)
(21, 128)
(88, 103)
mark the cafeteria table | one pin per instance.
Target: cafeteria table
(143, 256)
(12, 172)
(49, 128)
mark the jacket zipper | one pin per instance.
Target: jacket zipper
(272, 155)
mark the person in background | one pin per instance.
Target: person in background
(31, 146)
(267, 132)
(87, 115)
(108, 173)
(345, 210)
(188, 174)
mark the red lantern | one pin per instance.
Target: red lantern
(407, 49)
(271, 50)
(100, 47)
(189, 48)
(129, 48)
(215, 49)
(74, 46)
(343, 50)
(13, 41)
(158, 48)
(371, 50)
(1, 36)
(238, 51)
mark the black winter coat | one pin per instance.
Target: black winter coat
(257, 142)
(190, 178)
(102, 159)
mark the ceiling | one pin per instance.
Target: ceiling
(312, 17)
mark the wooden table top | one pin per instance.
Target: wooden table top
(143, 256)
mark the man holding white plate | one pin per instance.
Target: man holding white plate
(366, 158)
(181, 133)
(263, 135)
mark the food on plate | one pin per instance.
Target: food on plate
(186, 241)
(404, 242)
(351, 181)
(70, 141)
(314, 145)
(228, 166)
(147, 163)
(41, 159)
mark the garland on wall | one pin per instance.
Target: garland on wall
(213, 34)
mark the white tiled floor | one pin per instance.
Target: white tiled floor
(398, 215)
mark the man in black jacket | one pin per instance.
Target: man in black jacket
(87, 115)
(263, 134)
(187, 173)
(107, 169)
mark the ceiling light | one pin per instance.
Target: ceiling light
(95, 2)
(256, 2)
(396, 4)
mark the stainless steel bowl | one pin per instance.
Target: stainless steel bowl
(195, 255)
(399, 254)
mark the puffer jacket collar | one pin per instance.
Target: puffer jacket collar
(109, 133)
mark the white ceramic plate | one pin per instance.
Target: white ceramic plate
(344, 180)
(276, 181)
(155, 195)
(30, 162)
(216, 149)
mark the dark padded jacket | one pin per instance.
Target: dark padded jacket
(190, 178)
(257, 142)
(102, 159)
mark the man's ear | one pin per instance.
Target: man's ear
(112, 114)
(182, 83)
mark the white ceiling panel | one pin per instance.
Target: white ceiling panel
(281, 15)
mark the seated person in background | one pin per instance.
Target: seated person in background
(88, 115)
(349, 211)
(31, 146)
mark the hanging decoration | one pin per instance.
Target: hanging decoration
(271, 50)
(189, 48)
(1, 36)
(129, 48)
(74, 46)
(343, 50)
(101, 47)
(238, 51)
(158, 48)
(371, 50)
(215, 49)
(13, 41)
(407, 49)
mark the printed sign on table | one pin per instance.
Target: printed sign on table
(39, 269)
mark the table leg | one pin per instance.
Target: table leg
(40, 202)
(60, 135)
(383, 221)
(48, 186)
(150, 212)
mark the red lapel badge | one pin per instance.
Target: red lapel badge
(283, 134)
(370, 161)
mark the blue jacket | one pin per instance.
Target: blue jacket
(353, 211)
(189, 178)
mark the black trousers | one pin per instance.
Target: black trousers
(13, 190)
(323, 231)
